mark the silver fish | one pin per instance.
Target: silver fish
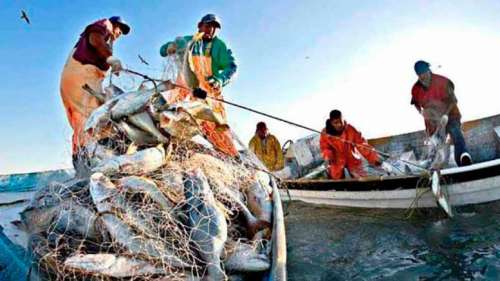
(143, 121)
(44, 206)
(183, 59)
(36, 220)
(201, 111)
(136, 135)
(130, 103)
(133, 102)
(141, 184)
(77, 219)
(253, 224)
(112, 265)
(100, 117)
(104, 194)
(112, 91)
(438, 193)
(55, 192)
(244, 258)
(259, 199)
(103, 191)
(98, 153)
(207, 222)
(134, 218)
(66, 216)
(179, 124)
(140, 162)
(137, 245)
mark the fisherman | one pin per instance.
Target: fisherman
(88, 63)
(211, 66)
(267, 148)
(342, 147)
(434, 97)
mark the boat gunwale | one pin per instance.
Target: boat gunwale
(383, 183)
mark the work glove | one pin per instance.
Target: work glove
(115, 63)
(378, 162)
(200, 93)
(214, 82)
(444, 120)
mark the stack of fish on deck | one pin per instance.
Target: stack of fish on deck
(155, 204)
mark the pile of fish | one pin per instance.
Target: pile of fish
(154, 201)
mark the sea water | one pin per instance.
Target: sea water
(331, 243)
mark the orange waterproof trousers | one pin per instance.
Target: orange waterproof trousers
(78, 103)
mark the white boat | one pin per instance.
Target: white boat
(474, 184)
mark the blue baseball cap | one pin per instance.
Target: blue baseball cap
(421, 67)
(210, 18)
(121, 23)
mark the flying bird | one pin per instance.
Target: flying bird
(143, 60)
(24, 16)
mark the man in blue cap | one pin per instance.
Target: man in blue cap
(434, 97)
(88, 62)
(207, 65)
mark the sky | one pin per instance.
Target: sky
(296, 60)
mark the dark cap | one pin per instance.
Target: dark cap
(210, 18)
(421, 67)
(261, 125)
(121, 23)
(335, 114)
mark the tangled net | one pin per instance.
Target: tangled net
(152, 203)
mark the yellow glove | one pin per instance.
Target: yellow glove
(197, 36)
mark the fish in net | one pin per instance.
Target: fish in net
(153, 200)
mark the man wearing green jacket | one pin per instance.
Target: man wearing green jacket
(206, 65)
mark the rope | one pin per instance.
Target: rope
(142, 75)
(387, 155)
(145, 77)
(315, 131)
(424, 183)
(414, 204)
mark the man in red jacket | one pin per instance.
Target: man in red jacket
(434, 97)
(342, 146)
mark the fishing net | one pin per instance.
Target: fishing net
(152, 201)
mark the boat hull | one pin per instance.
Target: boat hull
(460, 194)
(479, 183)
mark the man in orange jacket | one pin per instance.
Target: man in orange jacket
(342, 147)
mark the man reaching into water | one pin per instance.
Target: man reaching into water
(434, 97)
(342, 146)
